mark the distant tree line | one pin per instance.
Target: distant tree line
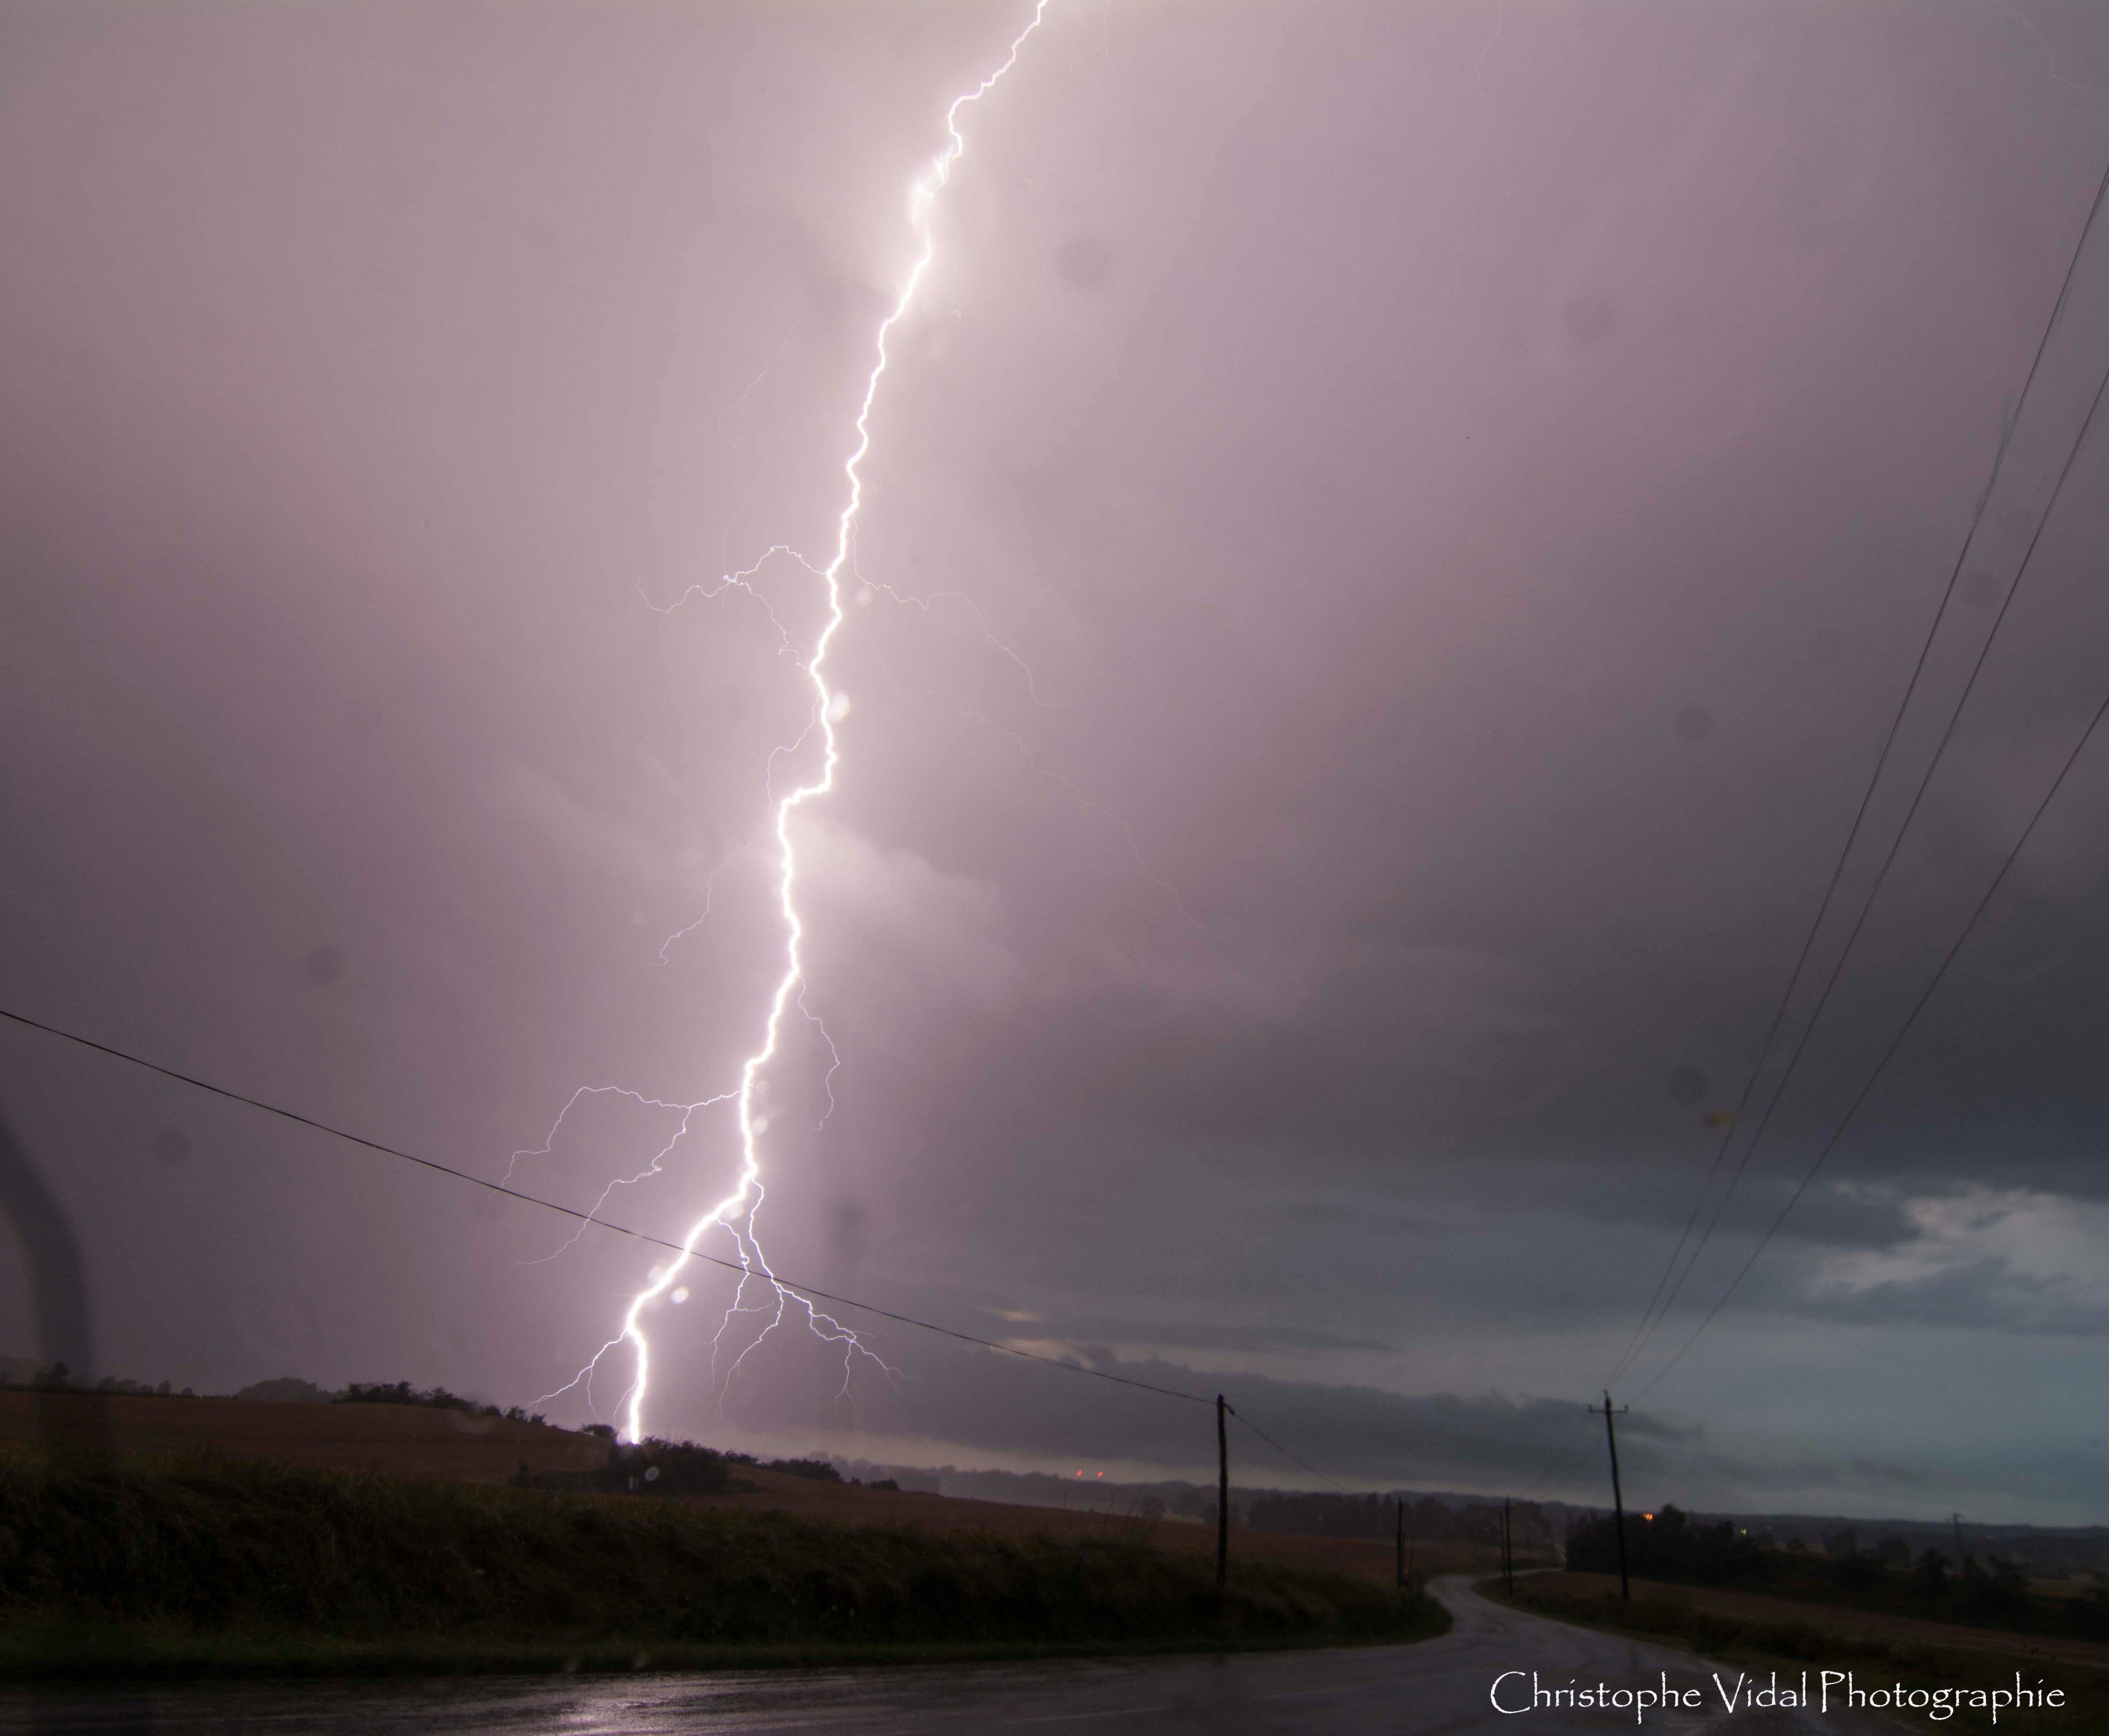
(432, 1398)
(1427, 1520)
(58, 1378)
(656, 1466)
(1994, 1593)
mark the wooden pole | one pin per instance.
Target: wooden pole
(1222, 1499)
(1617, 1500)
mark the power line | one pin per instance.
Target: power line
(1896, 844)
(1646, 1328)
(587, 1217)
(1283, 1450)
(1897, 1042)
(644, 1236)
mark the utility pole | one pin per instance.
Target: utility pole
(1399, 1551)
(1222, 1499)
(1618, 1494)
(1508, 1550)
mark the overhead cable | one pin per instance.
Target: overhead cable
(1659, 1303)
(588, 1218)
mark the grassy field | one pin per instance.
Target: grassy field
(202, 1562)
(1766, 1633)
(404, 1441)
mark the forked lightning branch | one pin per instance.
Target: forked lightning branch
(735, 1213)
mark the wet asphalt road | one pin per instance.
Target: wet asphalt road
(1439, 1687)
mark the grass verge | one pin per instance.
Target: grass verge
(1790, 1648)
(204, 1565)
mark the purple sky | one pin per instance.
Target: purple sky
(1468, 484)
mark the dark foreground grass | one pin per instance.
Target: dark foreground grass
(1790, 1648)
(202, 1564)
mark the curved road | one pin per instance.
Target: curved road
(1435, 1689)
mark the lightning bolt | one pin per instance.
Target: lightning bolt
(735, 1213)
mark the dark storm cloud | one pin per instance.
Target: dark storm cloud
(999, 1405)
(1826, 1215)
(1203, 1335)
(1375, 1439)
